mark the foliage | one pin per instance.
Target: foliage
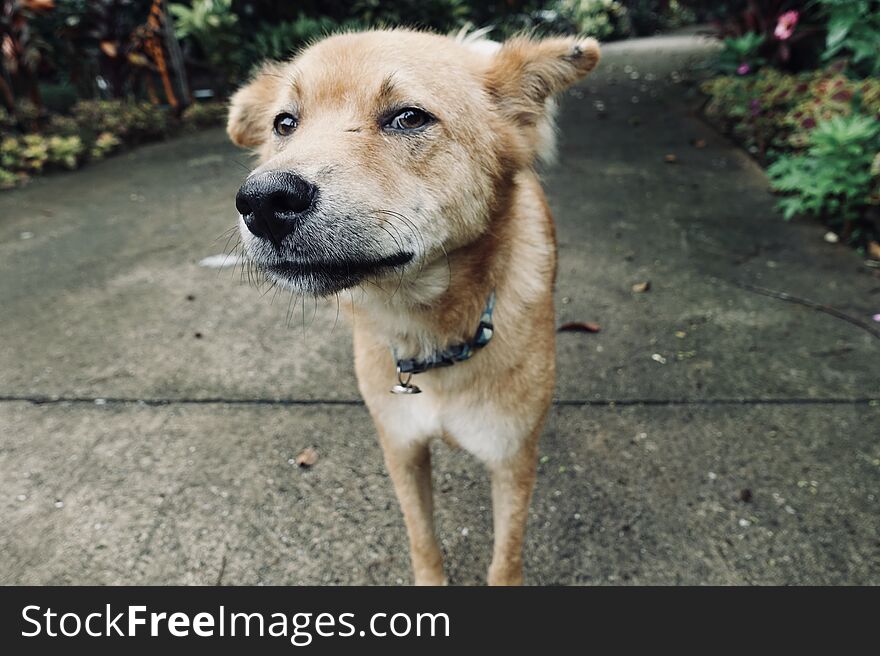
(32, 152)
(836, 179)
(205, 115)
(740, 54)
(133, 122)
(789, 31)
(281, 40)
(440, 15)
(93, 130)
(853, 31)
(603, 19)
(648, 17)
(213, 28)
(774, 112)
(21, 49)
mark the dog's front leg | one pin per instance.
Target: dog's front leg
(410, 468)
(512, 483)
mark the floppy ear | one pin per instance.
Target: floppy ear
(526, 72)
(250, 109)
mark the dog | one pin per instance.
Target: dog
(399, 165)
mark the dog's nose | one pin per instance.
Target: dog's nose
(272, 203)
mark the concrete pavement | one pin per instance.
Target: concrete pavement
(151, 407)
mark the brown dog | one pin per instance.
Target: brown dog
(399, 165)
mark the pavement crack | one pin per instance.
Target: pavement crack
(813, 305)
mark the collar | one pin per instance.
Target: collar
(456, 352)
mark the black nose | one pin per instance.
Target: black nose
(272, 203)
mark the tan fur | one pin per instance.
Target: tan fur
(476, 219)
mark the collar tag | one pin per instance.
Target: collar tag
(405, 386)
(445, 357)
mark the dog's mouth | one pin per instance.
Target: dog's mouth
(327, 276)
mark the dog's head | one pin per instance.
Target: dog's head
(380, 151)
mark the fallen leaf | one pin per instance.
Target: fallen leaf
(307, 457)
(680, 334)
(670, 159)
(580, 327)
(700, 143)
(640, 287)
(874, 250)
(109, 48)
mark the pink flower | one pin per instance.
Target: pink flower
(785, 26)
(743, 69)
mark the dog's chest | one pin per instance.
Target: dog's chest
(480, 428)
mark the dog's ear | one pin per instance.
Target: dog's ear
(250, 108)
(526, 72)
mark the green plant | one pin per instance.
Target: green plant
(104, 144)
(854, 31)
(603, 19)
(10, 179)
(836, 178)
(281, 40)
(740, 54)
(773, 112)
(205, 114)
(133, 122)
(64, 151)
(212, 26)
(442, 15)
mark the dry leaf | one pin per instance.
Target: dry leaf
(640, 287)
(700, 143)
(109, 48)
(874, 250)
(307, 457)
(580, 327)
(670, 159)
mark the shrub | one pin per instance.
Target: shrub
(773, 112)
(281, 40)
(853, 31)
(603, 19)
(212, 27)
(740, 54)
(104, 144)
(205, 115)
(133, 122)
(836, 179)
(31, 153)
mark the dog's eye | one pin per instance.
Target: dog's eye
(408, 120)
(284, 124)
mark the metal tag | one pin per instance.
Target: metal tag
(405, 389)
(404, 386)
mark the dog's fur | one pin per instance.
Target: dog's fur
(461, 197)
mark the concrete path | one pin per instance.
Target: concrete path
(151, 408)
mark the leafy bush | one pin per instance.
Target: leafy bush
(603, 19)
(104, 144)
(854, 31)
(213, 28)
(205, 115)
(773, 112)
(740, 54)
(836, 179)
(281, 40)
(95, 129)
(31, 153)
(133, 122)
